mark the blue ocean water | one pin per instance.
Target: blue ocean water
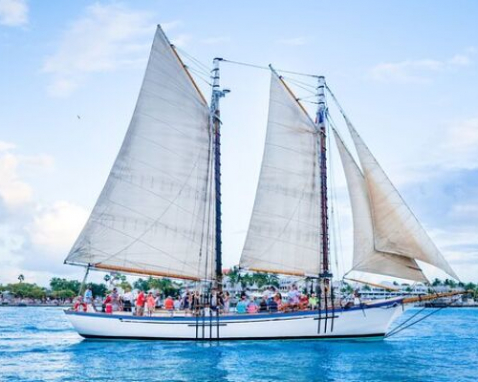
(38, 344)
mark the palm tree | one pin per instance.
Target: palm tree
(260, 279)
(21, 278)
(246, 280)
(234, 275)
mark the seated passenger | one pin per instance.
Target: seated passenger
(272, 305)
(313, 301)
(241, 307)
(263, 305)
(303, 302)
(293, 297)
(278, 301)
(252, 307)
(177, 303)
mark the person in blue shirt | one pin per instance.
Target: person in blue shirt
(241, 307)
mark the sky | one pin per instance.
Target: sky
(70, 72)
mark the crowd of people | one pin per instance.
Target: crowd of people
(194, 303)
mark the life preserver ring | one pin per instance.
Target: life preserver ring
(77, 306)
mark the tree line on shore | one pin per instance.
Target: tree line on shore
(61, 288)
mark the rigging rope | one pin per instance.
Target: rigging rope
(206, 70)
(198, 74)
(267, 68)
(401, 327)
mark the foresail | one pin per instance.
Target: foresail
(396, 229)
(151, 216)
(365, 257)
(284, 231)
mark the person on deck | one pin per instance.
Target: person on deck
(150, 303)
(106, 302)
(195, 302)
(177, 303)
(241, 307)
(263, 306)
(127, 300)
(252, 307)
(303, 302)
(115, 301)
(186, 302)
(293, 297)
(158, 301)
(88, 296)
(272, 305)
(313, 301)
(227, 302)
(169, 305)
(278, 301)
(140, 301)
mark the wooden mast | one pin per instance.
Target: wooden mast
(217, 94)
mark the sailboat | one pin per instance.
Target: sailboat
(159, 214)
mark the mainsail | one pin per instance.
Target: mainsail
(396, 230)
(365, 257)
(284, 231)
(153, 215)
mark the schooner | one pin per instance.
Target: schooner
(159, 214)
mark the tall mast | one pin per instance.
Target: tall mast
(321, 118)
(217, 94)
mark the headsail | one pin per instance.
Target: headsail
(152, 216)
(284, 231)
(396, 230)
(365, 257)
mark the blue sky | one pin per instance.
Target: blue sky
(405, 71)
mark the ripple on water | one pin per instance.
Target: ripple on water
(38, 344)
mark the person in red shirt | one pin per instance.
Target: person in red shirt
(107, 307)
(169, 305)
(303, 302)
(140, 301)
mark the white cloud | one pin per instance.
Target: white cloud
(460, 60)
(4, 146)
(464, 210)
(181, 40)
(417, 71)
(13, 190)
(216, 40)
(34, 239)
(55, 228)
(460, 144)
(295, 41)
(105, 38)
(13, 12)
(170, 25)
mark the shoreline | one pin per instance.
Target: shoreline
(35, 306)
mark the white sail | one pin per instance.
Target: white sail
(151, 217)
(365, 257)
(284, 231)
(396, 229)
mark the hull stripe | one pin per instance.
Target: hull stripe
(327, 337)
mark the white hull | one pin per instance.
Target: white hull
(367, 322)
